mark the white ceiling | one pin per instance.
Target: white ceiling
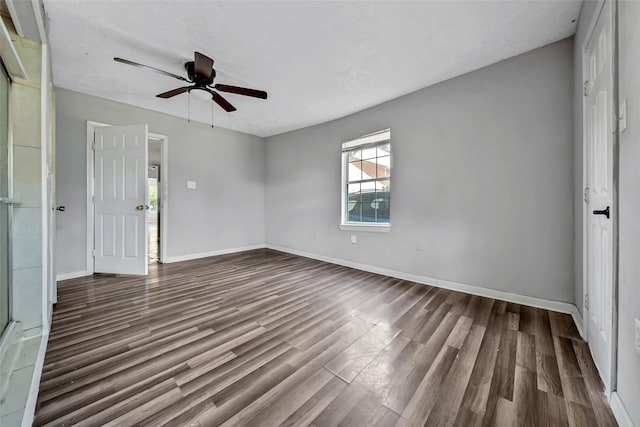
(318, 60)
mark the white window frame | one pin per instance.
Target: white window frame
(372, 139)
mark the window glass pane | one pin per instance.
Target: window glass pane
(383, 169)
(355, 155)
(383, 185)
(369, 169)
(381, 206)
(368, 187)
(353, 203)
(367, 197)
(369, 153)
(354, 171)
(383, 150)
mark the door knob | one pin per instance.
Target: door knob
(604, 212)
(142, 207)
(60, 208)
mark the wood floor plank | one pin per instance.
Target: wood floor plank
(476, 396)
(595, 388)
(573, 385)
(306, 413)
(367, 411)
(548, 374)
(506, 414)
(348, 364)
(454, 386)
(424, 398)
(525, 395)
(268, 338)
(276, 408)
(552, 410)
(337, 410)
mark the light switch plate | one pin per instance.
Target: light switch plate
(353, 239)
(191, 185)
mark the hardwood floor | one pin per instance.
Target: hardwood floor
(264, 338)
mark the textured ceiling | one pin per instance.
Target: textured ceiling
(317, 60)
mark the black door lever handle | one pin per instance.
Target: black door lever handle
(604, 212)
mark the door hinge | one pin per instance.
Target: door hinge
(93, 252)
(586, 195)
(586, 301)
(586, 88)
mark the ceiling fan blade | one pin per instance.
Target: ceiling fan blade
(203, 65)
(218, 99)
(174, 92)
(135, 64)
(242, 91)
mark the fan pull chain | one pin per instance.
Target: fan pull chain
(211, 114)
(189, 106)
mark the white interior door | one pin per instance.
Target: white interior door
(599, 130)
(120, 196)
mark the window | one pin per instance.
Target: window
(366, 184)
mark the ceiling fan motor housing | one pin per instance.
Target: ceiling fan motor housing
(199, 80)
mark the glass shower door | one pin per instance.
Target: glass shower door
(4, 201)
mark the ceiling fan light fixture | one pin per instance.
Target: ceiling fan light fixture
(201, 74)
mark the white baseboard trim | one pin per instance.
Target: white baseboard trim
(562, 307)
(577, 319)
(32, 397)
(188, 257)
(619, 411)
(72, 275)
(27, 334)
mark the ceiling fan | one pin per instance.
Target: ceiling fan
(201, 74)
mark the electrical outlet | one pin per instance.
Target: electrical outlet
(353, 239)
(638, 335)
(191, 185)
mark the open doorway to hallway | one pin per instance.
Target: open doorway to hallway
(153, 213)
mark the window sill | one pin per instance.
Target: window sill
(366, 227)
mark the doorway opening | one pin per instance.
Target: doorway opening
(154, 183)
(155, 216)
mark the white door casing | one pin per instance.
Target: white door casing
(599, 132)
(120, 190)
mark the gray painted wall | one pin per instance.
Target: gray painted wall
(629, 209)
(482, 185)
(225, 211)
